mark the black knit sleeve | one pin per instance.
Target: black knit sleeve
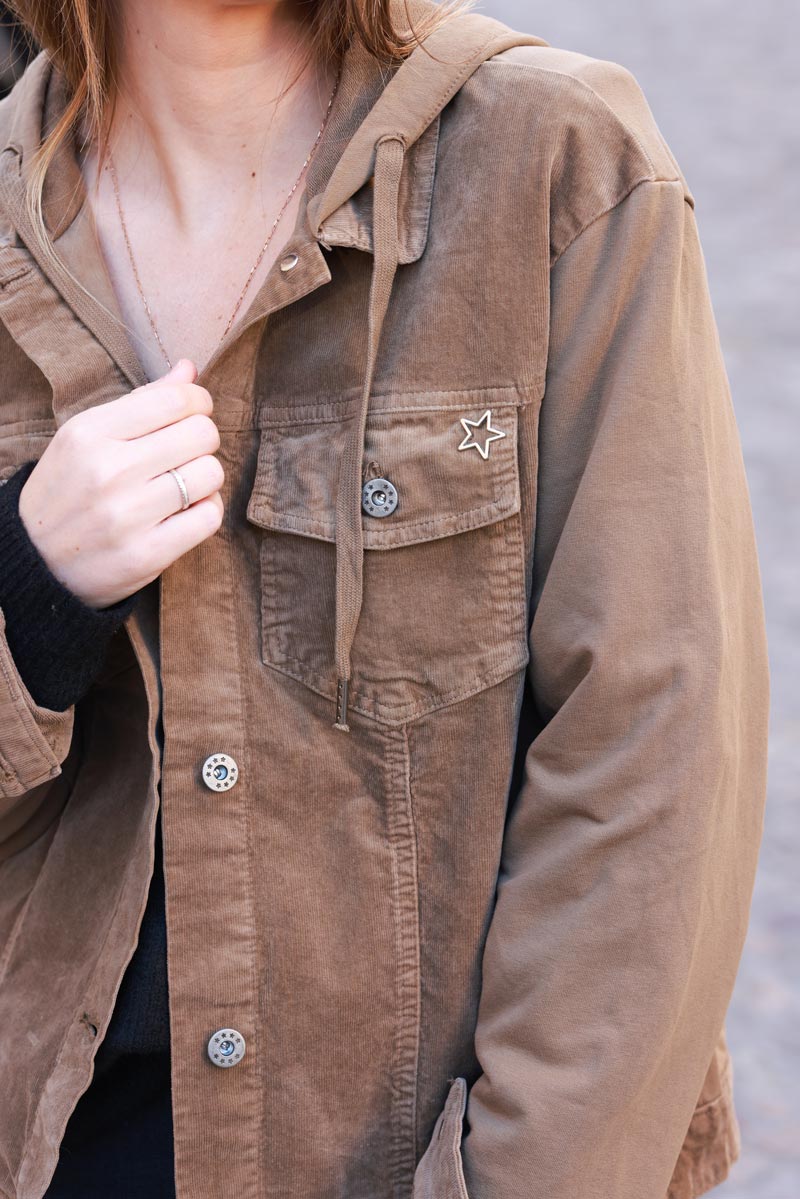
(57, 641)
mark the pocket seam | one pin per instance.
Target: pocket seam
(386, 712)
(447, 523)
(405, 717)
(335, 408)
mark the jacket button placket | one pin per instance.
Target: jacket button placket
(207, 797)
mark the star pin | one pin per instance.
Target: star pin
(492, 434)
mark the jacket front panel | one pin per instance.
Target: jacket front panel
(352, 894)
(414, 912)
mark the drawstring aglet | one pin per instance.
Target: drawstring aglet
(341, 706)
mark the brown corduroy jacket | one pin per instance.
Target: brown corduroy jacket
(483, 634)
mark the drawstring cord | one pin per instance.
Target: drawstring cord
(389, 151)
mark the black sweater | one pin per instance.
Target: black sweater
(58, 644)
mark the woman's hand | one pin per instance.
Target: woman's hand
(100, 506)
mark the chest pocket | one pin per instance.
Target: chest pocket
(444, 606)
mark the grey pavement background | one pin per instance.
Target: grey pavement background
(722, 80)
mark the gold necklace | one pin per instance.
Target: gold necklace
(261, 252)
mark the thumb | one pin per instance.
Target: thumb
(184, 371)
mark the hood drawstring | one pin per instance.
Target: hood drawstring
(389, 151)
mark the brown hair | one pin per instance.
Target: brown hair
(78, 35)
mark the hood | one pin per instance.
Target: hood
(368, 187)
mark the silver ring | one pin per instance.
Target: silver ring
(184, 493)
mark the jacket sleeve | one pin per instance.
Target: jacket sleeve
(630, 848)
(51, 647)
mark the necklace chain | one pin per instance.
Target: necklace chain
(261, 252)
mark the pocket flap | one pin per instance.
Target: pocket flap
(441, 488)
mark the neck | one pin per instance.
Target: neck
(199, 96)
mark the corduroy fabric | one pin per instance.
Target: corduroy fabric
(58, 644)
(517, 890)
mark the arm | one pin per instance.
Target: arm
(52, 646)
(630, 850)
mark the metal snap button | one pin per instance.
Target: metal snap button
(220, 772)
(378, 497)
(226, 1047)
(289, 262)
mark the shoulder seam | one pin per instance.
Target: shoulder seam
(610, 208)
(601, 99)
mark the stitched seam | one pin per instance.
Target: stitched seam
(322, 404)
(237, 623)
(452, 86)
(611, 207)
(405, 1052)
(511, 547)
(325, 418)
(38, 427)
(23, 719)
(576, 79)
(71, 1025)
(455, 1149)
(415, 827)
(5, 767)
(326, 401)
(7, 280)
(435, 521)
(404, 711)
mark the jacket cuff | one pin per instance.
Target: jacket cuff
(57, 641)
